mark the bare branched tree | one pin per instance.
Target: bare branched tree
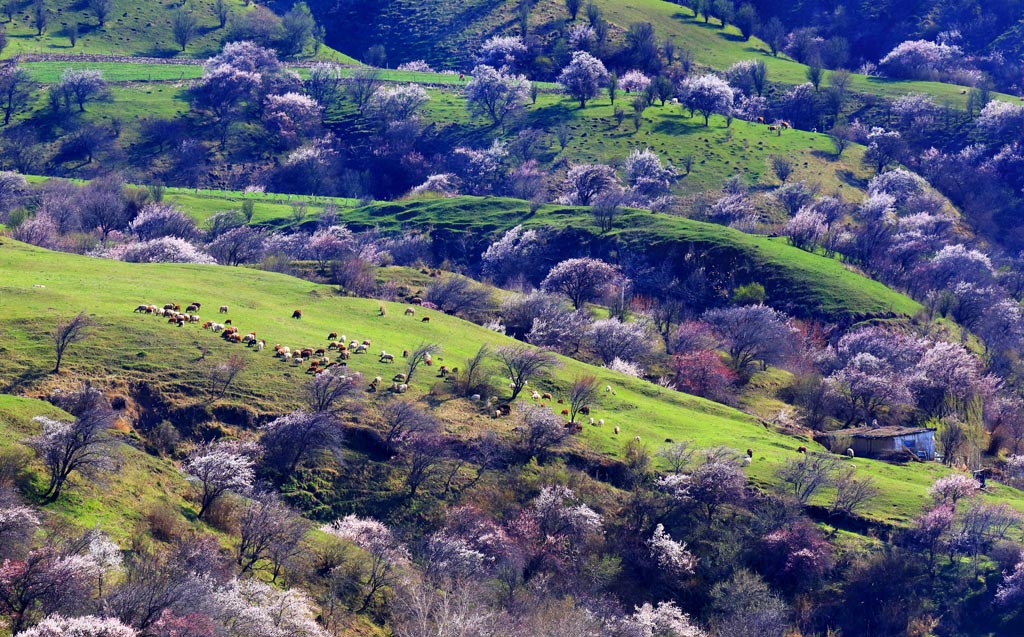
(582, 392)
(67, 332)
(420, 355)
(523, 363)
(678, 455)
(220, 376)
(851, 493)
(806, 475)
(403, 420)
(83, 446)
(270, 531)
(326, 390)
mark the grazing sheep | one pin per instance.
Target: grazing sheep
(344, 355)
(334, 345)
(636, 438)
(307, 352)
(353, 345)
(260, 346)
(367, 342)
(416, 300)
(399, 378)
(607, 388)
(227, 322)
(565, 412)
(223, 309)
(750, 453)
(382, 311)
(760, 120)
(333, 336)
(475, 398)
(591, 421)
(386, 358)
(192, 308)
(546, 396)
(405, 353)
(443, 371)
(849, 452)
(425, 319)
(746, 462)
(402, 388)
(585, 410)
(320, 351)
(410, 311)
(535, 395)
(361, 349)
(217, 327)
(142, 308)
(616, 430)
(169, 306)
(801, 449)
(297, 314)
(194, 318)
(600, 423)
(286, 356)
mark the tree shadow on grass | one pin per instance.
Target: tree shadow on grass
(25, 378)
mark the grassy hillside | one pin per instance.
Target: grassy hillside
(131, 29)
(805, 283)
(718, 151)
(117, 503)
(448, 32)
(36, 286)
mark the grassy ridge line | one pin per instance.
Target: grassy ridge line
(132, 29)
(719, 48)
(50, 72)
(132, 346)
(803, 283)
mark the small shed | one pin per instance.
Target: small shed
(873, 442)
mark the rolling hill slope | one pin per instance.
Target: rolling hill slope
(36, 286)
(803, 283)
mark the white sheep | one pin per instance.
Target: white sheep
(535, 395)
(259, 346)
(600, 423)
(475, 398)
(746, 461)
(636, 438)
(402, 388)
(591, 421)
(607, 388)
